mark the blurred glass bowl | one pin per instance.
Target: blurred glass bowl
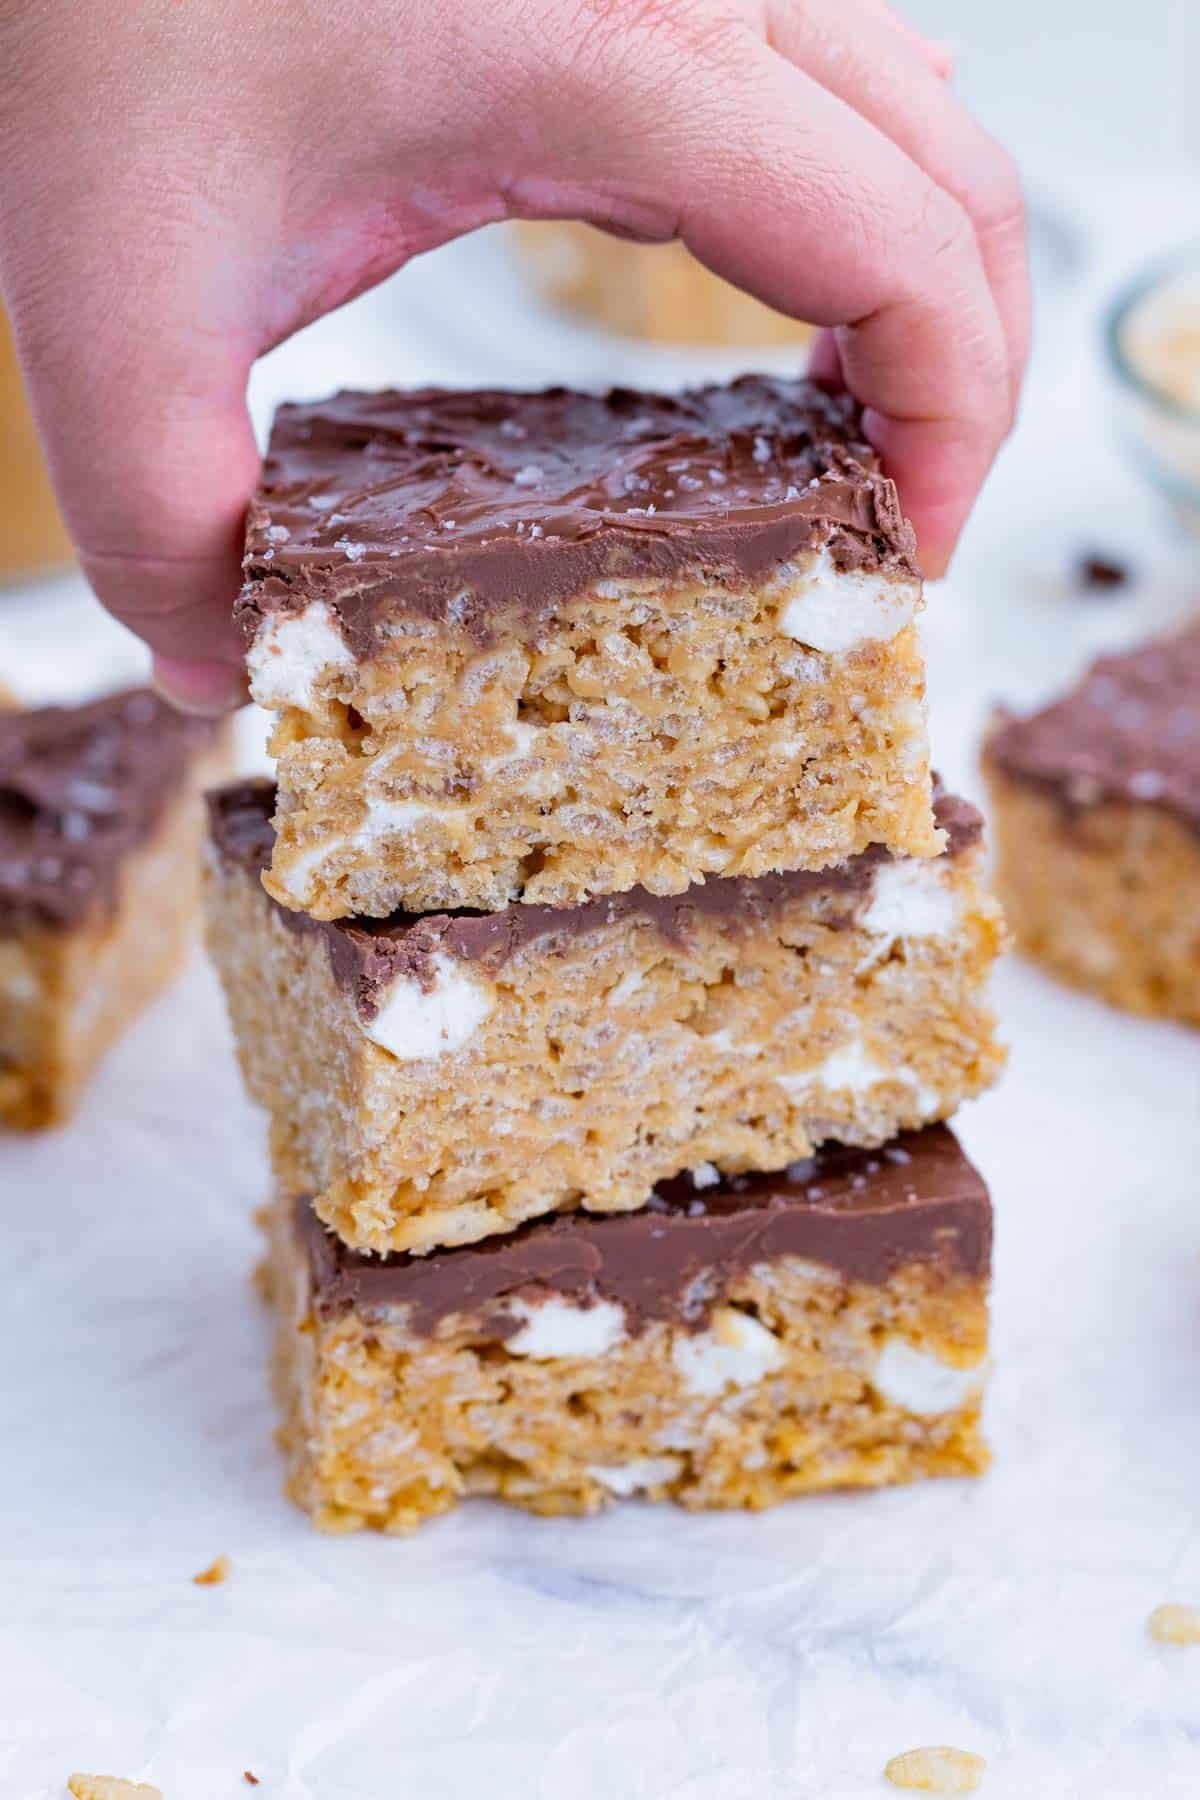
(1152, 335)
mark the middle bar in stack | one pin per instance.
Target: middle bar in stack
(435, 1079)
(605, 850)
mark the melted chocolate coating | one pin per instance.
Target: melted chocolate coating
(80, 787)
(1129, 733)
(367, 955)
(478, 509)
(864, 1213)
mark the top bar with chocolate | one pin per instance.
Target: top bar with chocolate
(540, 647)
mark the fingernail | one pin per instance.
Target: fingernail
(204, 688)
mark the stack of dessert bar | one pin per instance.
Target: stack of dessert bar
(606, 958)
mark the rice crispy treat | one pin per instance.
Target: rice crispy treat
(432, 1080)
(654, 291)
(1096, 801)
(540, 647)
(732, 1344)
(99, 852)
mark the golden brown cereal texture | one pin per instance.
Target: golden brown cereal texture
(385, 1428)
(67, 995)
(1107, 899)
(651, 735)
(610, 1060)
(937, 1770)
(654, 291)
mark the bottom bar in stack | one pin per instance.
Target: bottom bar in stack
(733, 1343)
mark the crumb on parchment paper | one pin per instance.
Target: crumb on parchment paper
(1174, 1624)
(937, 1769)
(110, 1787)
(215, 1573)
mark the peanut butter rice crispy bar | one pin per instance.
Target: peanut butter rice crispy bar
(732, 1344)
(1096, 801)
(540, 647)
(99, 858)
(436, 1079)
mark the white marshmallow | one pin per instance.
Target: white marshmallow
(416, 1023)
(735, 1352)
(850, 1069)
(292, 652)
(921, 1383)
(297, 876)
(387, 818)
(846, 1069)
(624, 1479)
(835, 610)
(912, 898)
(555, 1327)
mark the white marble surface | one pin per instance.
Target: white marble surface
(646, 1655)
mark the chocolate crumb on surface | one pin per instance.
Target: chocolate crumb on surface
(1096, 570)
(462, 506)
(864, 1213)
(366, 955)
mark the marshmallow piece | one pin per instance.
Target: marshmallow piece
(921, 1383)
(554, 1327)
(624, 1479)
(736, 1351)
(910, 898)
(292, 652)
(416, 1023)
(851, 1069)
(835, 610)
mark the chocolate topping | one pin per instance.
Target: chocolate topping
(367, 955)
(1129, 733)
(863, 1213)
(80, 786)
(462, 506)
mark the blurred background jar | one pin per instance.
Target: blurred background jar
(33, 539)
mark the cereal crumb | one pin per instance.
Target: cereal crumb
(249, 1778)
(1174, 1624)
(109, 1787)
(216, 1572)
(937, 1770)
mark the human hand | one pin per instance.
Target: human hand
(187, 182)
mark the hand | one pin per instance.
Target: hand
(187, 182)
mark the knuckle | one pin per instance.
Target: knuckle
(1000, 207)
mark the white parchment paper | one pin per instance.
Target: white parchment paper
(647, 1655)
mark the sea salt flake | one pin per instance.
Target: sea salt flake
(529, 475)
(351, 551)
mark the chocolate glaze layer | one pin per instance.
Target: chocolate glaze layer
(480, 509)
(81, 786)
(863, 1213)
(367, 955)
(1129, 733)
